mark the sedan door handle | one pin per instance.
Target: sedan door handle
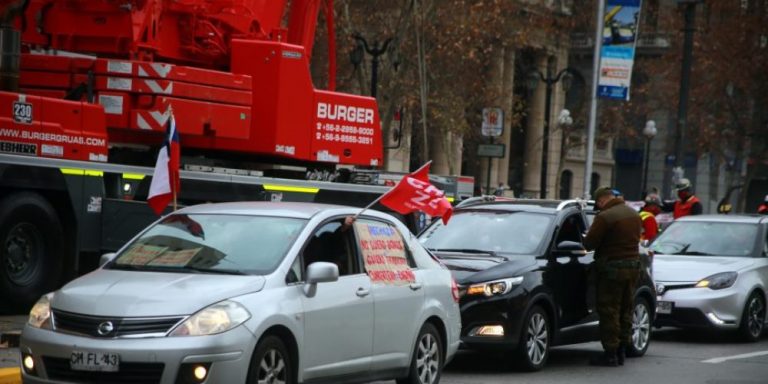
(415, 286)
(362, 292)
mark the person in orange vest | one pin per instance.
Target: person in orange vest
(763, 208)
(648, 214)
(687, 204)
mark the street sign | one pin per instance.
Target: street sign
(493, 122)
(491, 150)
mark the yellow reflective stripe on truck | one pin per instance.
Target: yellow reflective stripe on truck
(288, 188)
(81, 172)
(133, 176)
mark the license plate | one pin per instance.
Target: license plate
(664, 307)
(94, 361)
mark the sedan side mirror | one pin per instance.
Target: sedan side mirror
(106, 258)
(570, 248)
(322, 272)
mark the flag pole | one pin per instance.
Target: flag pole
(175, 182)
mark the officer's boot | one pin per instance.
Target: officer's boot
(606, 359)
(621, 354)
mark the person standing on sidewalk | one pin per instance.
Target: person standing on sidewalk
(614, 235)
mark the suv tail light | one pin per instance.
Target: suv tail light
(454, 290)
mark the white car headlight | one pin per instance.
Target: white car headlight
(217, 318)
(40, 315)
(494, 288)
(718, 281)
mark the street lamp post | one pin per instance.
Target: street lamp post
(375, 51)
(685, 78)
(649, 132)
(549, 80)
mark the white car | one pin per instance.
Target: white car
(252, 293)
(712, 272)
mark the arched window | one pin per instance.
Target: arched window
(566, 184)
(595, 184)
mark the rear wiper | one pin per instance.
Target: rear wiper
(465, 250)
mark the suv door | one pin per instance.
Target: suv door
(338, 318)
(399, 302)
(567, 275)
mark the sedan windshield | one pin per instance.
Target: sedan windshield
(489, 231)
(228, 244)
(706, 239)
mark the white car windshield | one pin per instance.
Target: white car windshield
(489, 231)
(211, 243)
(693, 238)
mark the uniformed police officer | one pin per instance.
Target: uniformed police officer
(614, 236)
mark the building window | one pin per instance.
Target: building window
(595, 183)
(566, 184)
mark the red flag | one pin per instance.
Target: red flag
(415, 193)
(165, 180)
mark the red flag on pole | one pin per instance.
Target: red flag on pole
(165, 181)
(415, 193)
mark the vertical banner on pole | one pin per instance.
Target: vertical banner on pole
(620, 31)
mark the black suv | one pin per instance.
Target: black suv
(523, 277)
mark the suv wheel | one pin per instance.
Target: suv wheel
(533, 349)
(641, 328)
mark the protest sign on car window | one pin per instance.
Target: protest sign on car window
(384, 254)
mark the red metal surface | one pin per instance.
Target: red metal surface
(56, 128)
(237, 80)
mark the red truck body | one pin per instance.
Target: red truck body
(236, 80)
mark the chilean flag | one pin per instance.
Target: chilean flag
(165, 181)
(415, 193)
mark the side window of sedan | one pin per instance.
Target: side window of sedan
(382, 243)
(571, 229)
(333, 243)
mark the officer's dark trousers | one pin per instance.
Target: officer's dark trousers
(615, 303)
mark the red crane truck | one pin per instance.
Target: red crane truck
(88, 86)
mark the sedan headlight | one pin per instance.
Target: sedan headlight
(217, 318)
(494, 288)
(40, 315)
(718, 280)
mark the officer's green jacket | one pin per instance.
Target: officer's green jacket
(615, 233)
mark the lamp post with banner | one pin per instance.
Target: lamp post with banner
(493, 127)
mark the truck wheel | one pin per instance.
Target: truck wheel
(32, 248)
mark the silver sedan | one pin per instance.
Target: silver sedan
(712, 271)
(252, 293)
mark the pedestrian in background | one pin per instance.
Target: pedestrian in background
(614, 236)
(648, 214)
(763, 208)
(687, 203)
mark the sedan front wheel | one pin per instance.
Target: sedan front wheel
(753, 319)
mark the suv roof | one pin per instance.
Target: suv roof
(547, 204)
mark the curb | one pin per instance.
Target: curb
(10, 375)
